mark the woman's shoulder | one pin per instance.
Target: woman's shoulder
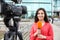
(48, 24)
(34, 24)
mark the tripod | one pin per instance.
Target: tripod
(13, 30)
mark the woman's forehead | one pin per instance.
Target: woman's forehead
(40, 11)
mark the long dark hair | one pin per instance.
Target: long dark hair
(45, 18)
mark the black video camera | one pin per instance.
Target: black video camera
(12, 8)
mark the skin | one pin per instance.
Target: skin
(40, 16)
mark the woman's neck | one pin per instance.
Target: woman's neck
(42, 21)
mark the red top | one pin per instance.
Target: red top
(46, 30)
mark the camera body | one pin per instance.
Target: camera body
(12, 8)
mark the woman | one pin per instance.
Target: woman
(46, 32)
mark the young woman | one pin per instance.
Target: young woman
(46, 32)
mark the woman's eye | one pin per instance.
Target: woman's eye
(42, 13)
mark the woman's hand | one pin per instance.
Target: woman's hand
(41, 36)
(37, 32)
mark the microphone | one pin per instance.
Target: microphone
(39, 24)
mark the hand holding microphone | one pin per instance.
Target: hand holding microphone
(39, 25)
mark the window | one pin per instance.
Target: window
(36, 1)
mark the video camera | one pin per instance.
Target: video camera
(12, 8)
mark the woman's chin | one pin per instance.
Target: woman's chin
(40, 19)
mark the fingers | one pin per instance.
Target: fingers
(41, 36)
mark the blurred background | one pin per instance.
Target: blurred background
(52, 8)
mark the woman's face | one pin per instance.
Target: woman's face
(41, 15)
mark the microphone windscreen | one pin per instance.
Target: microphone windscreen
(39, 24)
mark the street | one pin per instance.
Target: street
(56, 28)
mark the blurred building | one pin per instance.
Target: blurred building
(56, 7)
(33, 5)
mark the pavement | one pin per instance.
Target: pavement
(56, 31)
(57, 23)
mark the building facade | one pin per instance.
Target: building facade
(33, 5)
(56, 7)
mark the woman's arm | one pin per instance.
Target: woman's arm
(32, 34)
(50, 34)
